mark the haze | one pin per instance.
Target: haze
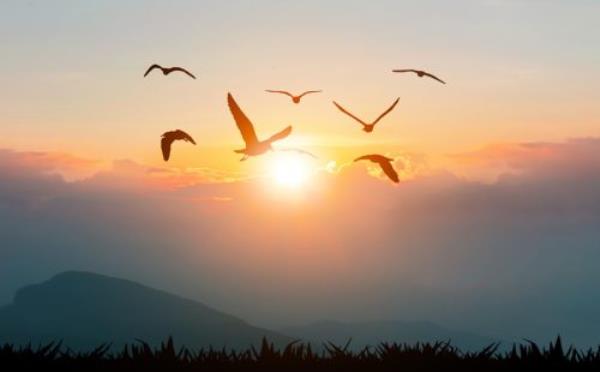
(492, 229)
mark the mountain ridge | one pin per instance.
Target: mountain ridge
(85, 309)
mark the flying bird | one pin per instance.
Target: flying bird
(421, 73)
(300, 151)
(385, 163)
(254, 147)
(167, 70)
(368, 127)
(295, 99)
(168, 138)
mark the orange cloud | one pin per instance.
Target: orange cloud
(68, 166)
(493, 161)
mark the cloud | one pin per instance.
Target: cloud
(533, 159)
(514, 256)
(68, 166)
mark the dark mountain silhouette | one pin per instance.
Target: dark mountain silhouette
(373, 333)
(84, 310)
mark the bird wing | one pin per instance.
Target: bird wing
(364, 157)
(434, 77)
(384, 162)
(389, 170)
(280, 92)
(404, 70)
(165, 145)
(181, 69)
(348, 113)
(280, 135)
(184, 136)
(387, 111)
(243, 123)
(309, 92)
(151, 68)
(300, 151)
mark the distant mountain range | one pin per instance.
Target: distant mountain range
(85, 310)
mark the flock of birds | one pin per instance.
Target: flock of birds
(255, 147)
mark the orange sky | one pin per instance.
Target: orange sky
(517, 71)
(520, 112)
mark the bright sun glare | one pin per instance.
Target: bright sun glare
(291, 170)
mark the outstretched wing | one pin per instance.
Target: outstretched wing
(299, 151)
(243, 123)
(384, 162)
(280, 92)
(309, 92)
(389, 170)
(367, 157)
(151, 68)
(181, 69)
(405, 70)
(165, 146)
(348, 113)
(387, 111)
(434, 77)
(184, 136)
(279, 136)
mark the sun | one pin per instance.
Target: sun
(291, 170)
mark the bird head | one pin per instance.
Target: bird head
(296, 99)
(368, 128)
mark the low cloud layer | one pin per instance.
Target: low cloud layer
(514, 256)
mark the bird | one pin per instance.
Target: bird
(253, 147)
(421, 73)
(300, 151)
(368, 127)
(295, 99)
(168, 138)
(167, 70)
(385, 163)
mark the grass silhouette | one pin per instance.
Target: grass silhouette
(438, 356)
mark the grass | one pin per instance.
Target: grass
(439, 356)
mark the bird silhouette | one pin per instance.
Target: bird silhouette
(254, 147)
(368, 127)
(168, 138)
(385, 163)
(167, 70)
(421, 73)
(295, 99)
(300, 151)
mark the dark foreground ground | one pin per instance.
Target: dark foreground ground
(299, 357)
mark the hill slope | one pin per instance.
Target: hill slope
(85, 310)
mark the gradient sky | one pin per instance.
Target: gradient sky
(517, 71)
(493, 229)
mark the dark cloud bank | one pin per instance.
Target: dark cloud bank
(515, 258)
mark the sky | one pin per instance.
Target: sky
(494, 220)
(516, 71)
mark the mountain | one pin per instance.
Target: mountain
(372, 333)
(85, 309)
